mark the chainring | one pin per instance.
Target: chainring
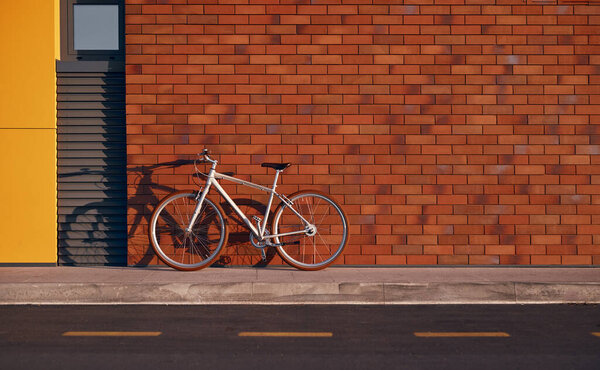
(259, 244)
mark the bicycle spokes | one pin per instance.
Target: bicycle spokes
(322, 240)
(182, 247)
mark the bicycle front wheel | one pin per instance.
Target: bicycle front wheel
(191, 250)
(322, 242)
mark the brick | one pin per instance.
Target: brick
(390, 260)
(545, 260)
(515, 260)
(359, 259)
(484, 260)
(421, 260)
(500, 249)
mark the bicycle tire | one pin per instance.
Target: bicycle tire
(167, 231)
(331, 228)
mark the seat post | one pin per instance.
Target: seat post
(276, 177)
(268, 209)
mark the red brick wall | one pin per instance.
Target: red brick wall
(452, 131)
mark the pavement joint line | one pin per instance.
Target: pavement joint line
(596, 333)
(284, 334)
(464, 334)
(111, 333)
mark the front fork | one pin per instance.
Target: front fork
(200, 201)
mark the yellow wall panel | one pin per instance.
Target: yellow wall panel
(28, 35)
(28, 207)
(27, 66)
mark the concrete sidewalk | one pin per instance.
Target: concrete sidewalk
(282, 285)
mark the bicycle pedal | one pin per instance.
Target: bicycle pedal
(290, 243)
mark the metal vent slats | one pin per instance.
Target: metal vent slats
(92, 201)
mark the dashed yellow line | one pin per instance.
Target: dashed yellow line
(111, 334)
(427, 334)
(461, 334)
(284, 334)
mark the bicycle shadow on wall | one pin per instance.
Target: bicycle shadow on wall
(92, 222)
(148, 193)
(140, 205)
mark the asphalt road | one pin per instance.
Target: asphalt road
(300, 337)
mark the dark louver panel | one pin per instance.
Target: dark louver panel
(92, 203)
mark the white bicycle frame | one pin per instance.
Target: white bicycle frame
(259, 232)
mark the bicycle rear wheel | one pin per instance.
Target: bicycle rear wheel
(313, 249)
(187, 250)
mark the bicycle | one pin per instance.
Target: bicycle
(188, 230)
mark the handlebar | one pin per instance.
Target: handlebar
(205, 157)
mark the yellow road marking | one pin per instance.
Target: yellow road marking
(466, 334)
(111, 334)
(596, 334)
(284, 334)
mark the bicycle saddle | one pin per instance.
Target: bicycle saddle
(276, 166)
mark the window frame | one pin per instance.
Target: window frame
(67, 50)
